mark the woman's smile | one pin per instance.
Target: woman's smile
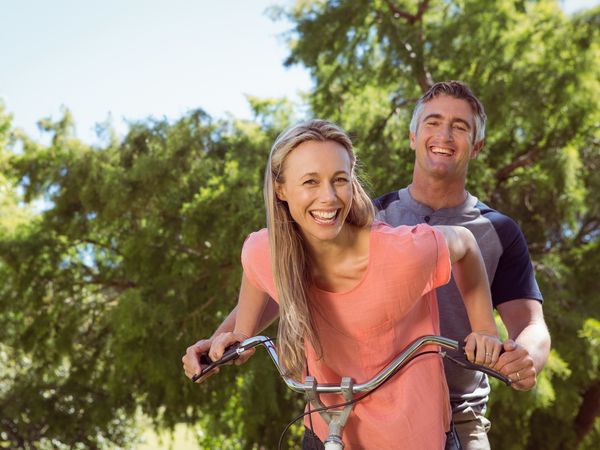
(317, 187)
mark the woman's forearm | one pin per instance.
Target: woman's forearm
(250, 308)
(472, 281)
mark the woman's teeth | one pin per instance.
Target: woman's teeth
(324, 216)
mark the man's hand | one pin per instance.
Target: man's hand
(517, 364)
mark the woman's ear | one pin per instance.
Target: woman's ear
(280, 192)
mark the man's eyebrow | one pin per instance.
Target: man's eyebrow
(432, 116)
(454, 119)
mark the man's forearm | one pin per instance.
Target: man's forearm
(536, 340)
(524, 321)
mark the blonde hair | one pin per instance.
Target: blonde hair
(289, 256)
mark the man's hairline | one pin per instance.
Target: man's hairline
(421, 105)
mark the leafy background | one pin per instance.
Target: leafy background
(135, 252)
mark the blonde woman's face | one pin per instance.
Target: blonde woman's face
(317, 187)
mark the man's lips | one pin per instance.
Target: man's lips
(444, 151)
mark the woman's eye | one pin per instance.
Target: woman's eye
(309, 182)
(341, 180)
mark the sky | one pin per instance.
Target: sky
(127, 60)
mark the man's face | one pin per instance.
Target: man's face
(444, 139)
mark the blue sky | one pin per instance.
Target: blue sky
(131, 59)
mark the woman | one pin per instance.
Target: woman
(353, 293)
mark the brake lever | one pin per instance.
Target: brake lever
(231, 353)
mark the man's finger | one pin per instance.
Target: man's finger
(509, 345)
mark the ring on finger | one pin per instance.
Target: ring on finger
(518, 376)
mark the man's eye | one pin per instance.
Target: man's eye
(460, 127)
(432, 123)
(341, 180)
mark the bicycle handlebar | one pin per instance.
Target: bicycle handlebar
(234, 351)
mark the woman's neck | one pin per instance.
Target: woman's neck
(338, 265)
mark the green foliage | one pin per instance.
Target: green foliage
(536, 71)
(135, 255)
(114, 259)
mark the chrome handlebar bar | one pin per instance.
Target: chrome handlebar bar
(233, 352)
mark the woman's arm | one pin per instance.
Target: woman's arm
(482, 345)
(225, 333)
(251, 304)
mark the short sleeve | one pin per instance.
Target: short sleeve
(514, 277)
(256, 262)
(424, 258)
(443, 267)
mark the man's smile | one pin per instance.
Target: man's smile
(441, 150)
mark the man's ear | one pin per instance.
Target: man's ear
(477, 149)
(413, 141)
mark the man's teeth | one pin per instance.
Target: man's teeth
(441, 151)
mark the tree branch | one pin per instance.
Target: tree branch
(411, 19)
(589, 225)
(397, 102)
(522, 160)
(588, 411)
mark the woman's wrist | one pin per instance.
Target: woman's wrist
(242, 334)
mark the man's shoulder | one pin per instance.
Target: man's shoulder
(383, 202)
(504, 224)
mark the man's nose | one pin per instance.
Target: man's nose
(445, 132)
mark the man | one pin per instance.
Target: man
(447, 131)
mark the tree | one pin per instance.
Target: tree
(134, 256)
(133, 250)
(535, 70)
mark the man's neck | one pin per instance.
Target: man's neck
(438, 194)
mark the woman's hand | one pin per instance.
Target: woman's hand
(191, 359)
(224, 340)
(482, 348)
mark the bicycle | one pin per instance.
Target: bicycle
(336, 415)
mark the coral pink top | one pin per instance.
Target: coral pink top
(365, 328)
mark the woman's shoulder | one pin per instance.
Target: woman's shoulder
(259, 237)
(386, 230)
(256, 242)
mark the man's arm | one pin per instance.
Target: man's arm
(529, 342)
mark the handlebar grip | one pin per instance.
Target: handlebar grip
(230, 354)
(465, 363)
